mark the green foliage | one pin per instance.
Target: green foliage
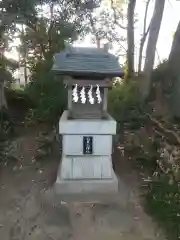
(18, 96)
(6, 65)
(5, 151)
(162, 190)
(147, 157)
(162, 76)
(2, 149)
(160, 72)
(19, 104)
(124, 104)
(47, 93)
(6, 125)
(6, 129)
(163, 202)
(168, 82)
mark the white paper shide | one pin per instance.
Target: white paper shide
(91, 99)
(98, 94)
(83, 95)
(75, 94)
(89, 95)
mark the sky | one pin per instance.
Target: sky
(170, 20)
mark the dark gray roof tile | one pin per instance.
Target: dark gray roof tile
(79, 61)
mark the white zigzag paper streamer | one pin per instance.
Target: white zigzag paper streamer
(98, 94)
(74, 94)
(91, 99)
(83, 95)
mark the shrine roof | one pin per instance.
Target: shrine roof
(86, 61)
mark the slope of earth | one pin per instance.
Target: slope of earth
(25, 215)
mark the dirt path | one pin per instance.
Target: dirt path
(26, 215)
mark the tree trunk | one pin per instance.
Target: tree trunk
(174, 56)
(143, 39)
(151, 46)
(25, 72)
(3, 103)
(130, 39)
(24, 56)
(173, 62)
(51, 28)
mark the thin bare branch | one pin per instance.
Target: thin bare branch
(115, 17)
(158, 56)
(94, 30)
(145, 16)
(34, 29)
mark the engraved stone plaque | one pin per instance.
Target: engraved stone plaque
(87, 145)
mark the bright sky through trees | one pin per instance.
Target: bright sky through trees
(171, 17)
(170, 20)
(169, 23)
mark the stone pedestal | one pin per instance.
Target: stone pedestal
(83, 174)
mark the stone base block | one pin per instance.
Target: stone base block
(86, 179)
(90, 191)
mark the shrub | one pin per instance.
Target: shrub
(6, 129)
(18, 97)
(18, 104)
(124, 103)
(163, 202)
(47, 93)
(161, 77)
(2, 149)
(6, 124)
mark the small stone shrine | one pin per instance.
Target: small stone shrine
(86, 127)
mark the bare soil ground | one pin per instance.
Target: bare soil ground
(26, 215)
